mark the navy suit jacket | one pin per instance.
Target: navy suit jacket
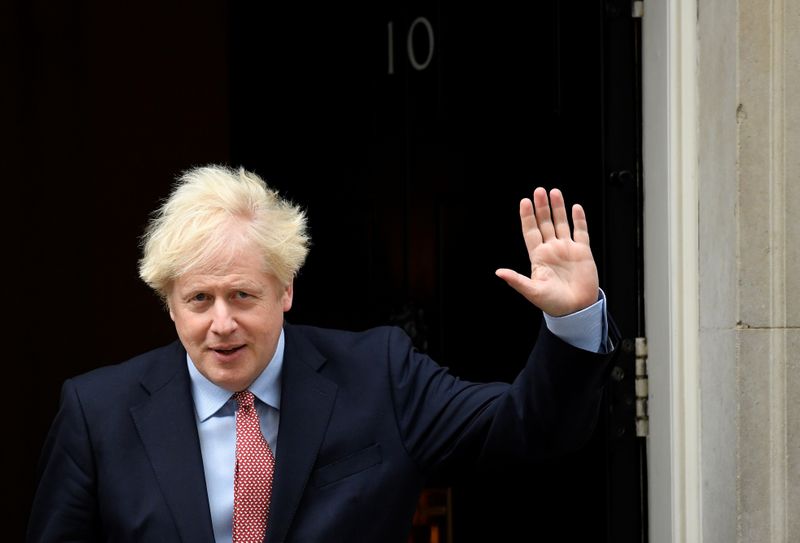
(364, 418)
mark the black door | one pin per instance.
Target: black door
(410, 130)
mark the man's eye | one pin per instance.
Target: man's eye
(199, 297)
(242, 295)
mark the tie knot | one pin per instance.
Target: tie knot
(245, 399)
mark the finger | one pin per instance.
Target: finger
(559, 214)
(581, 233)
(530, 230)
(542, 209)
(517, 281)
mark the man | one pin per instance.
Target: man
(248, 426)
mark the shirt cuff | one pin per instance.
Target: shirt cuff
(586, 329)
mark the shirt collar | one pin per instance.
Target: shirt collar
(210, 398)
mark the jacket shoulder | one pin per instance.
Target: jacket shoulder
(114, 378)
(331, 341)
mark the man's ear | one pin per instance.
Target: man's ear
(169, 308)
(288, 294)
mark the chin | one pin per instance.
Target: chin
(225, 381)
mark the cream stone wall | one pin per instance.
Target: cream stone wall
(748, 153)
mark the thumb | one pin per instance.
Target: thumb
(517, 281)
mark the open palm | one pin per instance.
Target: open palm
(563, 276)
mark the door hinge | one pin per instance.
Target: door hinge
(637, 9)
(642, 389)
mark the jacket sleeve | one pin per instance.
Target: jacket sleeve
(551, 408)
(65, 505)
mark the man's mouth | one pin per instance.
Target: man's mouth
(227, 350)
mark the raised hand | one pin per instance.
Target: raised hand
(563, 275)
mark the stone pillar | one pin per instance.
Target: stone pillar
(749, 268)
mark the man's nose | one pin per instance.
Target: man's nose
(223, 319)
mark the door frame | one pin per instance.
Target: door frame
(669, 87)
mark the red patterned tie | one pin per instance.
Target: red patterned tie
(252, 480)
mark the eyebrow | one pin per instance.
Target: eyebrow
(238, 285)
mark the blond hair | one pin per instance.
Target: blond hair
(211, 213)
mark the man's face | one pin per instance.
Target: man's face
(229, 320)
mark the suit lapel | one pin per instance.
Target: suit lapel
(306, 402)
(166, 425)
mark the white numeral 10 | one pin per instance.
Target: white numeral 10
(412, 57)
